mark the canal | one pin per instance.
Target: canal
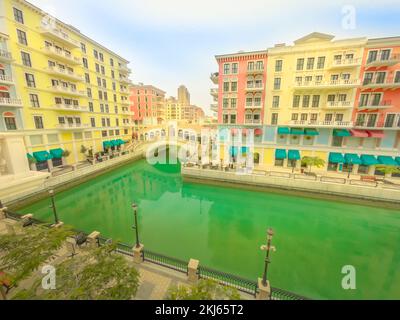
(225, 227)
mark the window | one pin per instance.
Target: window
(111, 62)
(372, 55)
(380, 77)
(300, 64)
(342, 97)
(249, 102)
(26, 59)
(91, 107)
(226, 86)
(96, 54)
(306, 101)
(385, 54)
(233, 103)
(83, 47)
(250, 66)
(89, 92)
(307, 79)
(234, 86)
(274, 119)
(85, 63)
(30, 80)
(328, 117)
(304, 116)
(38, 122)
(275, 102)
(226, 68)
(295, 116)
(368, 78)
(34, 99)
(278, 65)
(339, 117)
(315, 101)
(321, 63)
(87, 77)
(93, 122)
(277, 83)
(259, 65)
(103, 71)
(257, 101)
(234, 68)
(18, 15)
(225, 103)
(296, 101)
(101, 56)
(10, 122)
(22, 37)
(310, 63)
(397, 77)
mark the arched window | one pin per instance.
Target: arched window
(9, 120)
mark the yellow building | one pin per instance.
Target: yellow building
(73, 91)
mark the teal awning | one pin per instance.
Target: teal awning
(398, 160)
(280, 154)
(368, 160)
(387, 161)
(121, 142)
(245, 150)
(57, 153)
(113, 143)
(234, 151)
(296, 131)
(336, 158)
(352, 158)
(107, 144)
(283, 130)
(341, 133)
(29, 156)
(294, 155)
(311, 132)
(42, 156)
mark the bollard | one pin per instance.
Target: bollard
(138, 254)
(193, 266)
(264, 292)
(92, 239)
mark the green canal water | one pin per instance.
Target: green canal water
(225, 227)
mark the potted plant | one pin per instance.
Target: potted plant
(65, 155)
(32, 163)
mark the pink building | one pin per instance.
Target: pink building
(241, 83)
(378, 99)
(147, 104)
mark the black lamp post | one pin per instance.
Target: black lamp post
(267, 248)
(53, 206)
(135, 207)
(350, 168)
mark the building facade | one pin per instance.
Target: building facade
(60, 88)
(337, 100)
(183, 96)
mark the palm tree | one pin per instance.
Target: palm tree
(312, 162)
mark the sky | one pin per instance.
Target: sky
(174, 42)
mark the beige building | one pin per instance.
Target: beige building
(183, 96)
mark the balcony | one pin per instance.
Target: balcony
(127, 113)
(327, 85)
(214, 92)
(394, 125)
(322, 124)
(255, 89)
(255, 71)
(72, 126)
(125, 80)
(214, 107)
(215, 77)
(253, 106)
(58, 35)
(125, 102)
(339, 105)
(124, 91)
(124, 69)
(374, 105)
(128, 124)
(345, 63)
(384, 61)
(65, 73)
(68, 91)
(11, 102)
(252, 122)
(58, 54)
(4, 79)
(386, 84)
(5, 56)
(70, 107)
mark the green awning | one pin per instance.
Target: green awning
(336, 158)
(42, 156)
(113, 143)
(57, 153)
(294, 155)
(341, 133)
(29, 156)
(311, 132)
(116, 143)
(398, 160)
(387, 161)
(368, 160)
(352, 158)
(121, 142)
(296, 131)
(283, 130)
(107, 144)
(280, 154)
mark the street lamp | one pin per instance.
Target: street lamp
(267, 248)
(350, 168)
(53, 206)
(135, 207)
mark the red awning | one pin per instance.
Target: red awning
(244, 132)
(258, 132)
(376, 134)
(359, 133)
(234, 132)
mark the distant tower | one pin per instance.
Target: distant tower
(183, 96)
